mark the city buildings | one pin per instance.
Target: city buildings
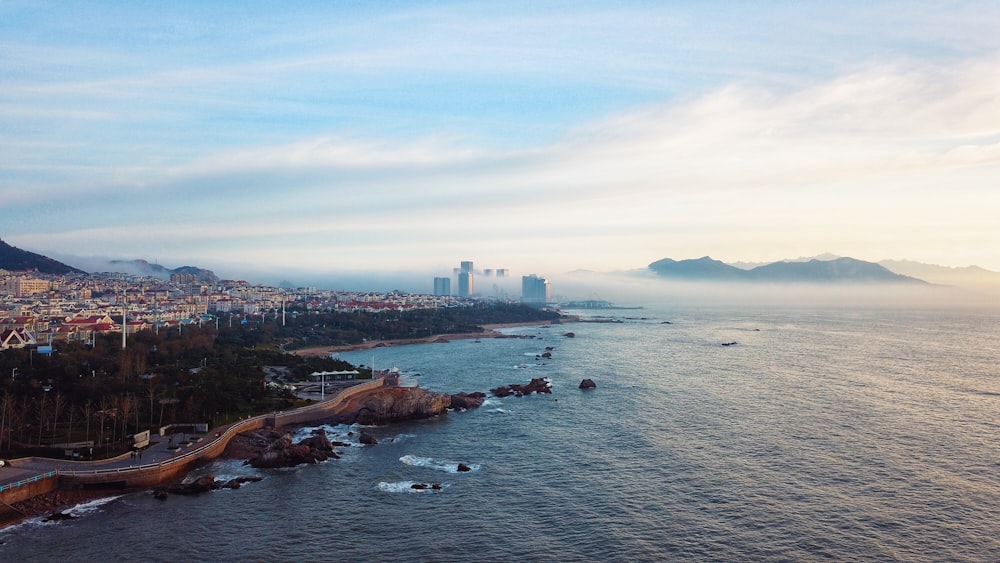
(535, 290)
(55, 308)
(442, 286)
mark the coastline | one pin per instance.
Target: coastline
(489, 331)
(59, 500)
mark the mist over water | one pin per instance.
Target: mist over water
(824, 433)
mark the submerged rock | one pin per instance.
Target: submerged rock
(588, 384)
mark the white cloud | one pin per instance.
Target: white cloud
(742, 149)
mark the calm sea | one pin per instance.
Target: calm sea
(822, 434)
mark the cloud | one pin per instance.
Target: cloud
(543, 140)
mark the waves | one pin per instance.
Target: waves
(822, 436)
(437, 465)
(411, 487)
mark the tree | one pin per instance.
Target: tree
(58, 403)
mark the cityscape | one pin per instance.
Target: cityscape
(41, 310)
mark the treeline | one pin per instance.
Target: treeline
(213, 373)
(303, 328)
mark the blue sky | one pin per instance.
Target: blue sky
(540, 137)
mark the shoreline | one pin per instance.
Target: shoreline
(60, 500)
(489, 331)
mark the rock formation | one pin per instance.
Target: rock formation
(537, 385)
(467, 400)
(283, 453)
(587, 384)
(201, 485)
(398, 403)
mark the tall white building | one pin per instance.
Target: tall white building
(465, 284)
(534, 290)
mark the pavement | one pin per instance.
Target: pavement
(159, 450)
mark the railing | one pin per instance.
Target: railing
(23, 482)
(225, 435)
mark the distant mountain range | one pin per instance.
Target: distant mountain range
(14, 259)
(825, 268)
(837, 270)
(144, 268)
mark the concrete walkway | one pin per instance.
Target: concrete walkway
(160, 449)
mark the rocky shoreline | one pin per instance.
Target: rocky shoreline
(381, 406)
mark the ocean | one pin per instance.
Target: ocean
(823, 433)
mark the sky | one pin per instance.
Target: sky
(542, 137)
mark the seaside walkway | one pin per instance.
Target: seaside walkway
(162, 461)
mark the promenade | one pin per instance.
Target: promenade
(165, 459)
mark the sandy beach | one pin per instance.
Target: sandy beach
(489, 331)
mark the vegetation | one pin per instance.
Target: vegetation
(105, 394)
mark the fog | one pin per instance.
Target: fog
(632, 288)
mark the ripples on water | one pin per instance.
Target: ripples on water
(836, 435)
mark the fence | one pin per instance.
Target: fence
(155, 473)
(33, 479)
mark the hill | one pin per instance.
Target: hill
(703, 268)
(14, 259)
(839, 270)
(144, 268)
(968, 276)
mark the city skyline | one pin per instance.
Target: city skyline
(539, 138)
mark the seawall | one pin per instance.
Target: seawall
(97, 474)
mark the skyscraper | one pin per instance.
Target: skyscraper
(465, 287)
(442, 286)
(534, 290)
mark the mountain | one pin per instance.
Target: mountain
(826, 256)
(839, 269)
(144, 268)
(697, 269)
(813, 271)
(14, 259)
(969, 276)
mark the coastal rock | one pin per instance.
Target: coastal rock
(536, 385)
(238, 481)
(57, 516)
(588, 384)
(283, 453)
(462, 468)
(198, 486)
(367, 439)
(467, 400)
(318, 441)
(425, 486)
(570, 335)
(398, 403)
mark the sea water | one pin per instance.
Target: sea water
(821, 434)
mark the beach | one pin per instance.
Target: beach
(489, 331)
